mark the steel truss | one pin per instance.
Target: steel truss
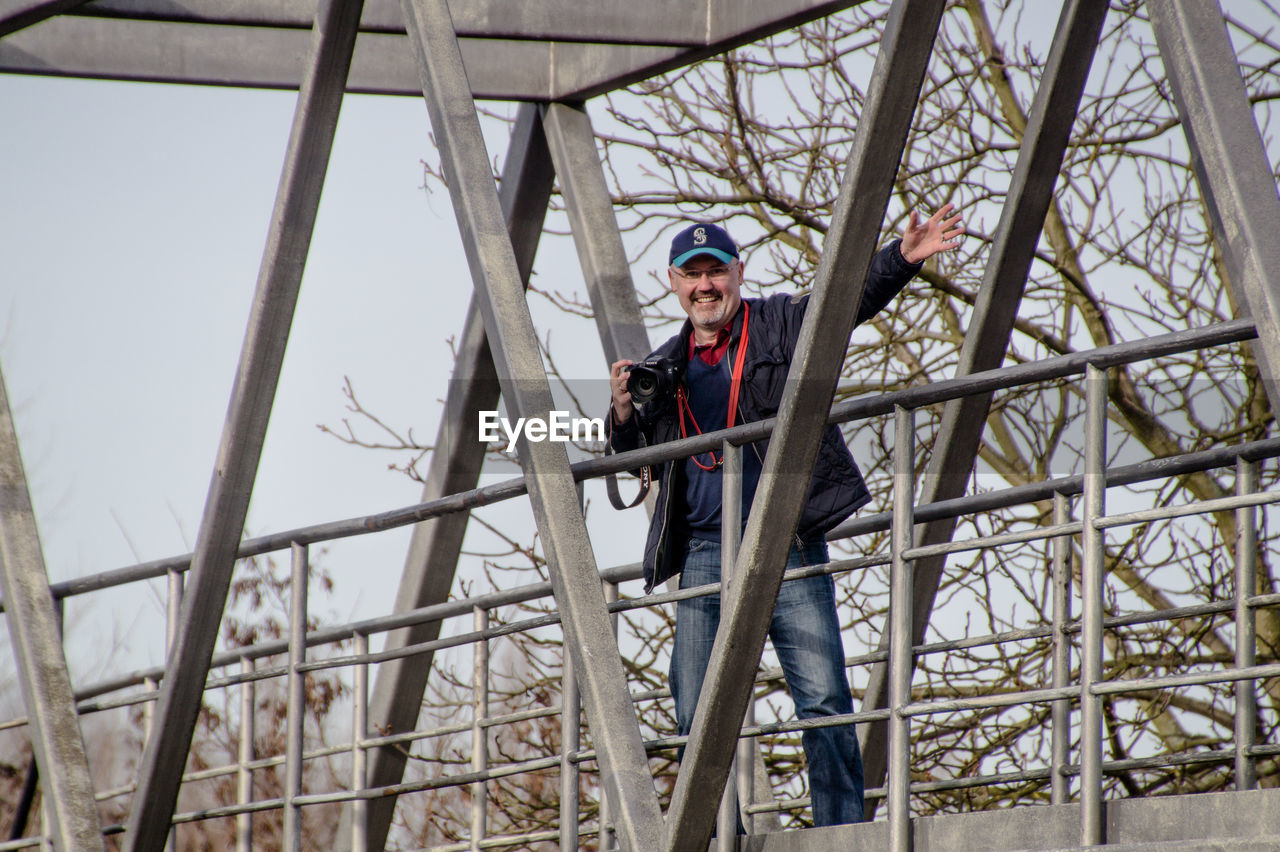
(552, 56)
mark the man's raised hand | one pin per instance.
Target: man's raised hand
(940, 232)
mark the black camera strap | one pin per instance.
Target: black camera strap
(611, 484)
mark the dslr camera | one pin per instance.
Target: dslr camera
(652, 378)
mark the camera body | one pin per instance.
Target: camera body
(653, 378)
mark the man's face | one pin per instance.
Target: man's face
(708, 290)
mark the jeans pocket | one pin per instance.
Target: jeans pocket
(697, 545)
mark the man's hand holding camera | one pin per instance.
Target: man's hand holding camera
(638, 384)
(622, 408)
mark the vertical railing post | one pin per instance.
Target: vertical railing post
(1091, 587)
(900, 662)
(49, 825)
(570, 742)
(479, 733)
(296, 707)
(359, 756)
(571, 738)
(1059, 784)
(1246, 585)
(744, 760)
(730, 533)
(173, 607)
(244, 773)
(173, 624)
(149, 684)
(608, 831)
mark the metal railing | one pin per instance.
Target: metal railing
(244, 668)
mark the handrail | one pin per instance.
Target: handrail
(1002, 378)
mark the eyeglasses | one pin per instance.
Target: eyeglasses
(716, 274)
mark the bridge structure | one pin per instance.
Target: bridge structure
(552, 56)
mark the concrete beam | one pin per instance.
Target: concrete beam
(37, 649)
(955, 447)
(575, 579)
(252, 395)
(1230, 163)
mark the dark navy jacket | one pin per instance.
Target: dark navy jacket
(836, 489)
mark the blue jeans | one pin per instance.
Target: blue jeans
(806, 636)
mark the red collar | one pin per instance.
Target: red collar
(735, 384)
(711, 353)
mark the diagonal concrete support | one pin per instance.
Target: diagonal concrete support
(37, 647)
(1230, 163)
(279, 279)
(824, 337)
(431, 563)
(574, 577)
(17, 14)
(956, 445)
(595, 231)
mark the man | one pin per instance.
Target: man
(741, 350)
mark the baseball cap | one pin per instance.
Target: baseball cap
(702, 238)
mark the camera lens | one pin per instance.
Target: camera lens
(644, 384)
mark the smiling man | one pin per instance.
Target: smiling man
(732, 358)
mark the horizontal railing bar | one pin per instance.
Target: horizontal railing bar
(982, 702)
(944, 784)
(1200, 507)
(981, 641)
(231, 768)
(1228, 675)
(459, 728)
(1111, 622)
(437, 612)
(770, 674)
(861, 408)
(1035, 696)
(551, 619)
(466, 605)
(504, 841)
(815, 723)
(1189, 611)
(1160, 761)
(997, 540)
(1035, 492)
(1039, 774)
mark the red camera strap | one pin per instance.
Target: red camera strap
(735, 385)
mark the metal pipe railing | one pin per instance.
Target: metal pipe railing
(359, 750)
(901, 662)
(479, 734)
(244, 771)
(297, 701)
(1088, 694)
(570, 742)
(990, 701)
(1246, 568)
(1091, 590)
(730, 533)
(1060, 788)
(913, 397)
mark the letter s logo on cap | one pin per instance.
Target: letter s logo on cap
(699, 236)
